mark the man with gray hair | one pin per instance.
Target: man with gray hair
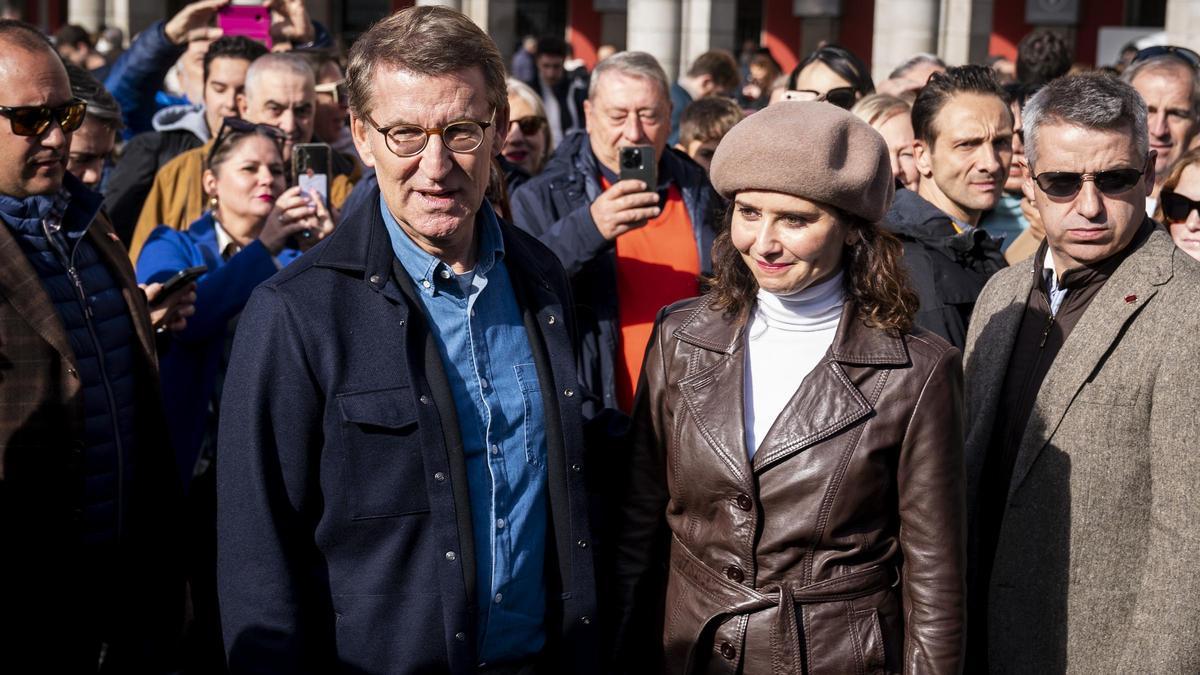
(629, 248)
(400, 475)
(1081, 389)
(280, 92)
(1167, 81)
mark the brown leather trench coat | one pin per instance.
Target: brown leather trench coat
(838, 549)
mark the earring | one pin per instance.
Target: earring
(212, 203)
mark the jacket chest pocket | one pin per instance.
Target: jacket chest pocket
(531, 398)
(384, 473)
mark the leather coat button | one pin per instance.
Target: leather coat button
(744, 502)
(735, 574)
(728, 651)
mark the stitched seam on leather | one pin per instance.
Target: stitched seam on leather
(860, 662)
(836, 427)
(704, 430)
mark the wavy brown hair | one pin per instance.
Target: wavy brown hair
(876, 282)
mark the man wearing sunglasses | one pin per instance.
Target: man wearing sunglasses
(1081, 388)
(88, 488)
(1166, 77)
(400, 483)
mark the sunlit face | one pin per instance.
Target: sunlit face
(330, 116)
(1187, 233)
(33, 165)
(788, 243)
(226, 79)
(966, 167)
(91, 144)
(1091, 226)
(624, 111)
(246, 185)
(526, 151)
(1016, 170)
(897, 132)
(433, 195)
(1167, 91)
(820, 78)
(283, 99)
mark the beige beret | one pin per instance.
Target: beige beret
(814, 150)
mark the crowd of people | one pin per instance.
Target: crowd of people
(555, 371)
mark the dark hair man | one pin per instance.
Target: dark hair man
(963, 147)
(630, 248)
(179, 128)
(562, 95)
(88, 489)
(401, 472)
(713, 73)
(1042, 56)
(1167, 81)
(1081, 387)
(93, 142)
(74, 45)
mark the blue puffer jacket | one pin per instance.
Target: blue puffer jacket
(96, 318)
(555, 207)
(193, 365)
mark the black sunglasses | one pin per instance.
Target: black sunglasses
(1182, 53)
(237, 125)
(33, 120)
(842, 97)
(1067, 184)
(1177, 208)
(529, 125)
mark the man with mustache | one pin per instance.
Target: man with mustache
(280, 91)
(88, 489)
(1081, 393)
(964, 134)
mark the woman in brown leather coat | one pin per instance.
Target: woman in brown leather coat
(794, 500)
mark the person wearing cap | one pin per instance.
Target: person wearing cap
(794, 495)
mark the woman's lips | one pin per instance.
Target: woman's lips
(270, 199)
(772, 267)
(516, 156)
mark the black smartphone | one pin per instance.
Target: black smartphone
(177, 283)
(637, 162)
(312, 168)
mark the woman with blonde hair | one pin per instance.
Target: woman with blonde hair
(891, 117)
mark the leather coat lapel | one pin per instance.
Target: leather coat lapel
(1129, 288)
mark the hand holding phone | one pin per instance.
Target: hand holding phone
(181, 280)
(248, 18)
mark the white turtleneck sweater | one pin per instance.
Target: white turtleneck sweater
(787, 337)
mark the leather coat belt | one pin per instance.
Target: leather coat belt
(726, 598)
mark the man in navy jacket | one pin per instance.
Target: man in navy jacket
(401, 471)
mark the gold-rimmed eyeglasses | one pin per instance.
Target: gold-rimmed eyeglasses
(408, 140)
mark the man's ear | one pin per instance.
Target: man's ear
(242, 105)
(1028, 188)
(359, 131)
(587, 115)
(502, 125)
(923, 155)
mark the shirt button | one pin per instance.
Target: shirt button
(451, 556)
(585, 620)
(568, 392)
(472, 311)
(581, 543)
(744, 502)
(577, 468)
(445, 274)
(461, 637)
(728, 651)
(735, 574)
(499, 598)
(483, 382)
(495, 449)
(439, 477)
(425, 283)
(500, 523)
(375, 278)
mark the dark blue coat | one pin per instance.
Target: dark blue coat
(555, 207)
(345, 541)
(190, 366)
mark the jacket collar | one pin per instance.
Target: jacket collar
(854, 343)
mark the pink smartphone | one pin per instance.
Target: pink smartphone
(252, 21)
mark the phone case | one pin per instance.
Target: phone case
(249, 21)
(645, 170)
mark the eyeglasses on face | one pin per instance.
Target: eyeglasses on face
(1067, 184)
(529, 125)
(237, 125)
(33, 120)
(1182, 53)
(1177, 208)
(842, 97)
(408, 140)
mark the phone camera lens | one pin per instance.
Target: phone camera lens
(631, 160)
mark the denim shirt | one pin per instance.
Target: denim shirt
(485, 350)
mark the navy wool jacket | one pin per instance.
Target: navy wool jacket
(345, 541)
